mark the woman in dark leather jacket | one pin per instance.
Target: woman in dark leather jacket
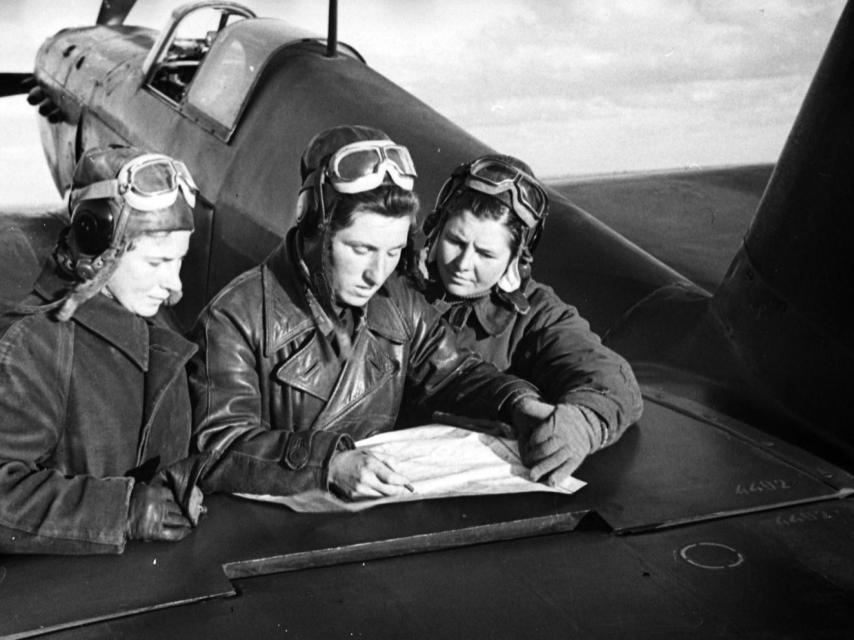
(476, 267)
(323, 342)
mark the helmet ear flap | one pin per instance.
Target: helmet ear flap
(93, 224)
(91, 233)
(314, 203)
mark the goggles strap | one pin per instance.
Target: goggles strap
(95, 191)
(187, 190)
(186, 184)
(121, 226)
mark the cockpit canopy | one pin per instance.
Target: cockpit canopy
(210, 55)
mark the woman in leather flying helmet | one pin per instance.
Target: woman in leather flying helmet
(94, 405)
(322, 343)
(476, 263)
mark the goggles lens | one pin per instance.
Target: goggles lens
(494, 177)
(363, 166)
(152, 179)
(152, 182)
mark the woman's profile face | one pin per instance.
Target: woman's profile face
(149, 272)
(472, 253)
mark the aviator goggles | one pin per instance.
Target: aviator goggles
(496, 178)
(362, 166)
(147, 183)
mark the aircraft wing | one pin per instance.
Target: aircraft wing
(26, 238)
(692, 525)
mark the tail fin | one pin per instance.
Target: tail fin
(786, 302)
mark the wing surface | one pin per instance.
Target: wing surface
(25, 239)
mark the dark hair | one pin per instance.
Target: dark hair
(484, 207)
(387, 200)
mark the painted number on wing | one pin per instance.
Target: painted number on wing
(759, 486)
(805, 516)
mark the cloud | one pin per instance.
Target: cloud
(661, 77)
(592, 48)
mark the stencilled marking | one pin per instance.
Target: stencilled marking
(815, 515)
(711, 555)
(761, 486)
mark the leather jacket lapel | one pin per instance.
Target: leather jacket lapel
(367, 369)
(372, 361)
(308, 369)
(285, 308)
(306, 362)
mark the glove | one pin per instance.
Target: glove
(182, 478)
(556, 447)
(153, 514)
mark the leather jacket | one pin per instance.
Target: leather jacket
(86, 407)
(273, 401)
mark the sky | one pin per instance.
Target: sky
(574, 88)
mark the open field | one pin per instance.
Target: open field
(692, 220)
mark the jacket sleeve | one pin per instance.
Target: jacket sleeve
(43, 510)
(446, 377)
(555, 348)
(247, 453)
